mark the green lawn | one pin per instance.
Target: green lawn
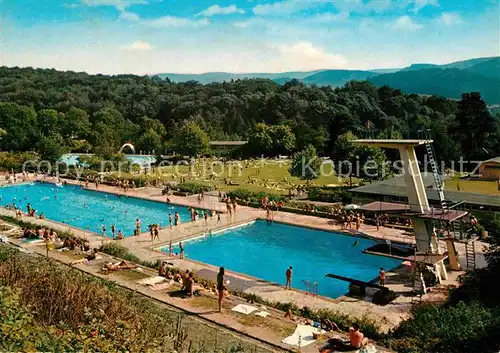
(477, 186)
(264, 175)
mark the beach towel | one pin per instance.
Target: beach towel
(34, 241)
(244, 309)
(262, 314)
(160, 286)
(370, 348)
(302, 336)
(4, 239)
(152, 280)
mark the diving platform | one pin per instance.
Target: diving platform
(390, 143)
(449, 215)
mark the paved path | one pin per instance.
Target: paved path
(142, 246)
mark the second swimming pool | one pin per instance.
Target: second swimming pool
(86, 209)
(266, 250)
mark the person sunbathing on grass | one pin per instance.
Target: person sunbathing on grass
(122, 265)
(355, 342)
(325, 324)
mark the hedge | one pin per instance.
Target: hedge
(193, 188)
(254, 197)
(338, 194)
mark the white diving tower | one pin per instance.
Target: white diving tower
(417, 198)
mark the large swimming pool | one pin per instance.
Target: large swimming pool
(266, 250)
(88, 209)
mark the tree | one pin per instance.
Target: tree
(283, 139)
(306, 164)
(271, 140)
(474, 121)
(75, 123)
(52, 147)
(361, 161)
(260, 141)
(191, 140)
(48, 123)
(149, 141)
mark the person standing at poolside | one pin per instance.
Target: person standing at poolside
(28, 208)
(218, 218)
(289, 272)
(205, 215)
(220, 286)
(170, 220)
(177, 219)
(137, 226)
(170, 249)
(156, 232)
(181, 251)
(113, 230)
(381, 277)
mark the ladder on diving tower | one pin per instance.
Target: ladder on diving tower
(470, 255)
(426, 134)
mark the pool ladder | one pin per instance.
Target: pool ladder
(311, 288)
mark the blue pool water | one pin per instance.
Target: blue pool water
(142, 160)
(67, 204)
(266, 250)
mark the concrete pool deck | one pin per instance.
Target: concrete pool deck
(142, 246)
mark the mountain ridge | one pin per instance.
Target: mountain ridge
(476, 74)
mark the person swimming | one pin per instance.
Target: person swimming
(356, 242)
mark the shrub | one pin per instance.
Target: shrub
(193, 188)
(254, 197)
(14, 161)
(338, 194)
(117, 250)
(462, 328)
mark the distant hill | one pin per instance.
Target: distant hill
(415, 67)
(448, 80)
(489, 68)
(337, 77)
(449, 83)
(210, 77)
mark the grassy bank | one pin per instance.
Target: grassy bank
(46, 306)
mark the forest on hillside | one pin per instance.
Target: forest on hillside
(53, 112)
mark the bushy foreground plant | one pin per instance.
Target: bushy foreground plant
(56, 308)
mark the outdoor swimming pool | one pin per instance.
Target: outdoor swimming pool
(266, 250)
(142, 160)
(66, 204)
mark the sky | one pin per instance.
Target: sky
(196, 36)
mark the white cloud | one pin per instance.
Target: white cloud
(218, 10)
(285, 7)
(138, 45)
(128, 15)
(306, 56)
(332, 17)
(406, 23)
(417, 5)
(172, 21)
(449, 19)
(121, 5)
